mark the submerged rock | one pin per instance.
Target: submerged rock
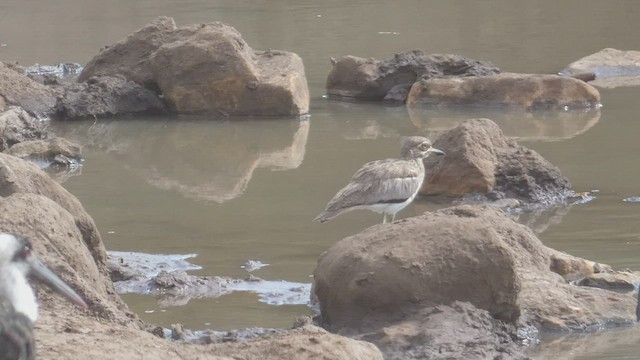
(371, 79)
(480, 159)
(388, 275)
(509, 90)
(610, 67)
(206, 68)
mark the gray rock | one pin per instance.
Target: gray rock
(107, 96)
(610, 67)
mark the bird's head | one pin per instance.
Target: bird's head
(418, 147)
(18, 261)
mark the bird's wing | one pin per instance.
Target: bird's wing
(382, 181)
(16, 334)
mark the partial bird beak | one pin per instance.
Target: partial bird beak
(436, 151)
(39, 271)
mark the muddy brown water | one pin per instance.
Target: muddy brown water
(248, 188)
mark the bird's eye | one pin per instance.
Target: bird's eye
(23, 253)
(424, 147)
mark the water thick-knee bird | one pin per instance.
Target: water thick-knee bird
(384, 186)
(18, 304)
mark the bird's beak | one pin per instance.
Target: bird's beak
(39, 271)
(436, 151)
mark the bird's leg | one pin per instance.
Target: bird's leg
(393, 217)
(384, 218)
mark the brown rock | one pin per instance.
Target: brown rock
(480, 159)
(16, 126)
(521, 91)
(307, 342)
(46, 149)
(130, 56)
(20, 176)
(18, 89)
(371, 79)
(611, 68)
(573, 268)
(207, 68)
(465, 253)
(58, 240)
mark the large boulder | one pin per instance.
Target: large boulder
(130, 56)
(371, 79)
(207, 68)
(390, 273)
(16, 88)
(611, 67)
(102, 96)
(16, 126)
(480, 159)
(520, 91)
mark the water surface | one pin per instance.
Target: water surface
(245, 189)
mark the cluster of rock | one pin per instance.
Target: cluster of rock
(26, 137)
(453, 80)
(162, 68)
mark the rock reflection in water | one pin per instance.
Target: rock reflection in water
(519, 125)
(619, 344)
(202, 160)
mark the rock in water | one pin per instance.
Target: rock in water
(480, 159)
(519, 91)
(206, 68)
